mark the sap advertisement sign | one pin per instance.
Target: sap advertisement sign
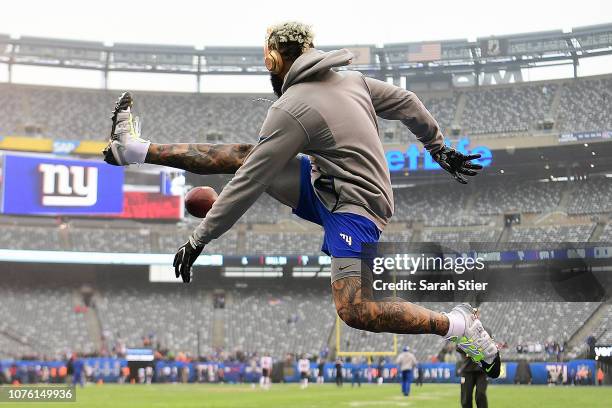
(416, 159)
(39, 185)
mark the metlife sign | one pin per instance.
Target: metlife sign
(41, 185)
(415, 158)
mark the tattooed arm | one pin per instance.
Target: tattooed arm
(360, 311)
(200, 158)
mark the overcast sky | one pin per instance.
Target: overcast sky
(203, 23)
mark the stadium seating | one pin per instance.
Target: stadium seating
(170, 117)
(14, 348)
(591, 196)
(42, 318)
(604, 332)
(529, 322)
(266, 210)
(166, 117)
(606, 234)
(274, 318)
(170, 239)
(30, 237)
(575, 233)
(292, 243)
(529, 197)
(508, 109)
(464, 235)
(278, 321)
(471, 214)
(403, 236)
(585, 105)
(442, 107)
(432, 206)
(109, 240)
(176, 318)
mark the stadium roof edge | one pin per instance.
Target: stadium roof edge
(522, 36)
(338, 46)
(227, 47)
(453, 57)
(403, 44)
(59, 42)
(153, 47)
(596, 27)
(67, 42)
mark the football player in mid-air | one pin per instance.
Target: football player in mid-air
(319, 152)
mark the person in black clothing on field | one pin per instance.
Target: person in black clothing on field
(472, 376)
(419, 380)
(321, 371)
(339, 372)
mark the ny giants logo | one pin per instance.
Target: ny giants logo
(347, 238)
(68, 186)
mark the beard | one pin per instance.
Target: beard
(277, 84)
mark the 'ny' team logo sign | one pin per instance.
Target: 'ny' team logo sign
(68, 186)
(44, 185)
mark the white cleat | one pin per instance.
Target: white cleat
(475, 342)
(126, 146)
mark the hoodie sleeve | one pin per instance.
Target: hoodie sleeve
(395, 103)
(282, 137)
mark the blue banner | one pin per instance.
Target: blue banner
(584, 136)
(109, 369)
(432, 372)
(42, 185)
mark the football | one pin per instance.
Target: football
(199, 200)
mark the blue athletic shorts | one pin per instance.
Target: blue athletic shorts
(344, 232)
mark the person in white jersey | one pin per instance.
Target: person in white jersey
(304, 369)
(266, 371)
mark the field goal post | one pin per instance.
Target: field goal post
(368, 354)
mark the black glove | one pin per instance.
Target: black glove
(184, 259)
(457, 163)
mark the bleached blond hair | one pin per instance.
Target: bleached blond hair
(290, 31)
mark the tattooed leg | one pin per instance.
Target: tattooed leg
(360, 311)
(200, 158)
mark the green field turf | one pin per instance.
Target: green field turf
(328, 395)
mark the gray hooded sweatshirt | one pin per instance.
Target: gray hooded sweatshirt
(331, 117)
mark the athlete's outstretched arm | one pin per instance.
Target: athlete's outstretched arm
(282, 138)
(395, 103)
(358, 310)
(200, 158)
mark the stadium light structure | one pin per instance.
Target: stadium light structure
(453, 61)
